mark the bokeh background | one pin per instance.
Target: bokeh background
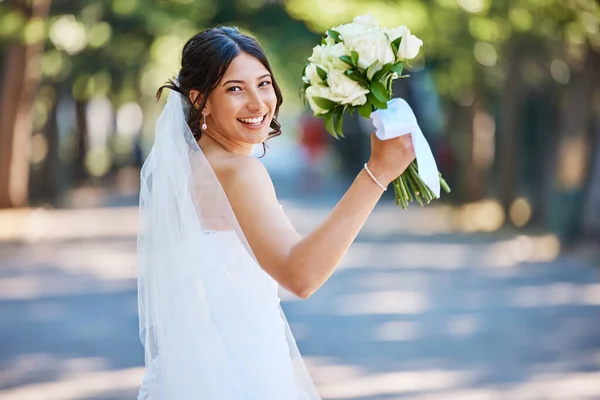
(491, 292)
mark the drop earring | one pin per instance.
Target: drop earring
(204, 126)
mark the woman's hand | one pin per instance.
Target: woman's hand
(390, 158)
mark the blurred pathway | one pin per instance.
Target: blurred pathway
(416, 311)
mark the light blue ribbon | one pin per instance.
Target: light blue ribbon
(399, 119)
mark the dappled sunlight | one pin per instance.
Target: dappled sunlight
(101, 262)
(390, 302)
(462, 326)
(68, 34)
(407, 256)
(452, 256)
(377, 280)
(434, 219)
(69, 269)
(25, 365)
(325, 369)
(34, 224)
(483, 216)
(576, 385)
(390, 383)
(321, 15)
(79, 385)
(37, 286)
(555, 294)
(523, 248)
(547, 386)
(398, 331)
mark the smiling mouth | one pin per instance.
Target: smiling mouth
(253, 121)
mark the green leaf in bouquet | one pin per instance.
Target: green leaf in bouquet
(380, 92)
(347, 60)
(324, 103)
(365, 110)
(372, 70)
(381, 105)
(304, 69)
(396, 45)
(357, 77)
(303, 93)
(354, 57)
(339, 117)
(398, 67)
(380, 74)
(335, 35)
(329, 126)
(322, 74)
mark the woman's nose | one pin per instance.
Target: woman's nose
(255, 102)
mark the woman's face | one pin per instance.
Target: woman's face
(243, 104)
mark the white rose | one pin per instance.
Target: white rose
(410, 44)
(409, 47)
(316, 54)
(366, 21)
(311, 75)
(395, 33)
(349, 30)
(373, 46)
(330, 57)
(344, 89)
(360, 100)
(319, 91)
(357, 27)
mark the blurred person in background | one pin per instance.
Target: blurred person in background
(314, 142)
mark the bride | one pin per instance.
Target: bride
(214, 244)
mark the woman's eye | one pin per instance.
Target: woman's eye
(264, 83)
(234, 89)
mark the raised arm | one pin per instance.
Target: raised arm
(302, 265)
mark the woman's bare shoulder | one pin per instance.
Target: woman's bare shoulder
(241, 172)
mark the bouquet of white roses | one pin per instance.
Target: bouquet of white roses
(353, 69)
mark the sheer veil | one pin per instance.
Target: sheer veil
(208, 314)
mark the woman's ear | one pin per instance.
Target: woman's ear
(196, 99)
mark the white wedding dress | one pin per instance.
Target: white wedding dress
(210, 317)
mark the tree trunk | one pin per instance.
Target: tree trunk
(508, 131)
(21, 76)
(573, 153)
(43, 186)
(479, 147)
(546, 121)
(80, 172)
(591, 204)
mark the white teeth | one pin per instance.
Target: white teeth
(252, 120)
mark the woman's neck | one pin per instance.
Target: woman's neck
(213, 140)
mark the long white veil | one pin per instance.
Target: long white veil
(209, 315)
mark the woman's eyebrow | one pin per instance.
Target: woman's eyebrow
(238, 81)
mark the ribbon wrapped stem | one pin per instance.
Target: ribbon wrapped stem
(421, 181)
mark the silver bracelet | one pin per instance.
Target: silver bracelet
(374, 179)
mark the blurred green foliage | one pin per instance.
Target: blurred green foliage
(489, 60)
(126, 48)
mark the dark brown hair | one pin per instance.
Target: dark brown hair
(204, 60)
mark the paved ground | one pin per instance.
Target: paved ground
(418, 310)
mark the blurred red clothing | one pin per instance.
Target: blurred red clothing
(313, 137)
